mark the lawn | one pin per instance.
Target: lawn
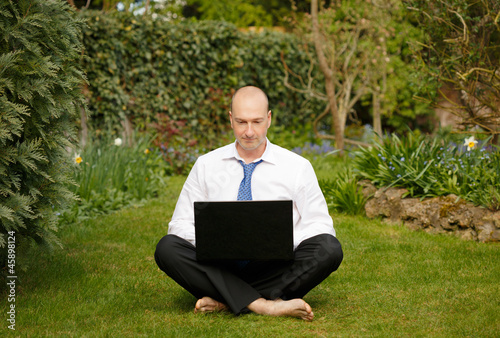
(393, 282)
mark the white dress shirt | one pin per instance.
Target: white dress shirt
(283, 175)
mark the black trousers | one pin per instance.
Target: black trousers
(228, 283)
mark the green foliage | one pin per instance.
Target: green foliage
(111, 177)
(460, 54)
(433, 167)
(144, 68)
(239, 12)
(366, 45)
(40, 99)
(343, 194)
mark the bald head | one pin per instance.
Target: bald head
(250, 94)
(250, 119)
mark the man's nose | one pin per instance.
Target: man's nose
(249, 130)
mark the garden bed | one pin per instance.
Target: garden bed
(444, 214)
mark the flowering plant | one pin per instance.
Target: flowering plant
(434, 167)
(470, 143)
(111, 176)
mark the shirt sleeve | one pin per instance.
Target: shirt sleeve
(182, 223)
(312, 207)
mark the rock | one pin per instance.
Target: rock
(435, 215)
(493, 217)
(495, 236)
(377, 206)
(467, 234)
(367, 188)
(484, 231)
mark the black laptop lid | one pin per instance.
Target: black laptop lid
(244, 230)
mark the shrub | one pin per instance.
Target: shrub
(142, 69)
(433, 167)
(40, 100)
(343, 194)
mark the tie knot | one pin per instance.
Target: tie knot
(249, 168)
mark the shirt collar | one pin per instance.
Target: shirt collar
(268, 155)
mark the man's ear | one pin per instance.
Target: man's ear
(269, 118)
(231, 118)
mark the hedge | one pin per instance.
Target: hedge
(139, 69)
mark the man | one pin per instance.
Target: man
(263, 287)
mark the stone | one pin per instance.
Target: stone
(367, 188)
(495, 236)
(395, 194)
(443, 214)
(467, 234)
(485, 232)
(493, 217)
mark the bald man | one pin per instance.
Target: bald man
(264, 287)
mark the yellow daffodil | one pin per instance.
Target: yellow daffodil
(470, 143)
(78, 159)
(118, 141)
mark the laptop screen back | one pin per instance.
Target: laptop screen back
(244, 230)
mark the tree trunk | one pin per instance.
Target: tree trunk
(329, 81)
(377, 121)
(127, 131)
(85, 131)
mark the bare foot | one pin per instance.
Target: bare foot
(207, 304)
(289, 308)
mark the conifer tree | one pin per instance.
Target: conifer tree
(40, 98)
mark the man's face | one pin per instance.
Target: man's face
(250, 120)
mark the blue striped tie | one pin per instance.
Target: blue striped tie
(245, 194)
(245, 191)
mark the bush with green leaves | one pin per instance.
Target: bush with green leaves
(141, 69)
(343, 194)
(430, 167)
(40, 101)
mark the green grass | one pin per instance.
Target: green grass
(393, 282)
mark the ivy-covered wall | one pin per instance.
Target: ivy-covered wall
(141, 69)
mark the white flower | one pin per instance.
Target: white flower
(78, 159)
(118, 141)
(470, 143)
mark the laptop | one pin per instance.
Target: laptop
(243, 230)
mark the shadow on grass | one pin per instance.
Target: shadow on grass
(174, 299)
(51, 271)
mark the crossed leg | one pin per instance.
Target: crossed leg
(260, 287)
